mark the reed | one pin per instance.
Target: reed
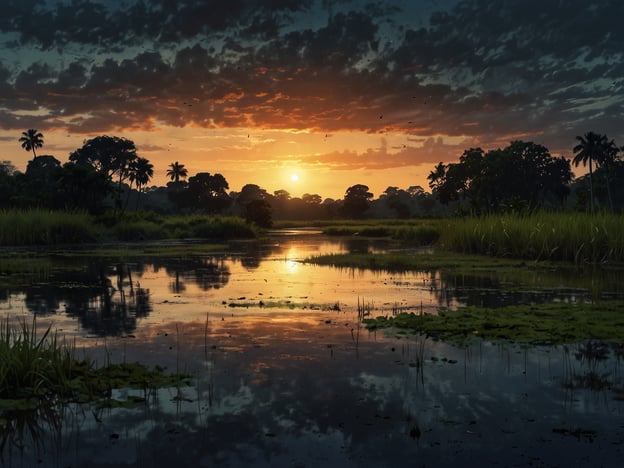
(38, 369)
(577, 237)
(419, 234)
(43, 227)
(34, 365)
(140, 226)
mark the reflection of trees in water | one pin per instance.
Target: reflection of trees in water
(112, 311)
(42, 300)
(357, 245)
(206, 272)
(212, 273)
(90, 297)
(495, 290)
(593, 371)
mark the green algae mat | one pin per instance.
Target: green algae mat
(548, 324)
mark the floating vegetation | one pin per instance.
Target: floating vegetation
(282, 304)
(553, 323)
(420, 260)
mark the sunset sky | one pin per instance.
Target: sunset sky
(337, 92)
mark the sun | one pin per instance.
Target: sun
(294, 177)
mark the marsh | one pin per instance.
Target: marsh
(285, 374)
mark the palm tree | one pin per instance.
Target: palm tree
(177, 171)
(606, 161)
(140, 173)
(31, 139)
(592, 147)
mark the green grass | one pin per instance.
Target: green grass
(419, 260)
(577, 238)
(51, 228)
(558, 236)
(41, 227)
(571, 237)
(38, 369)
(554, 323)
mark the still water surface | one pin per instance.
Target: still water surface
(284, 375)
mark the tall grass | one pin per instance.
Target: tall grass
(33, 366)
(43, 227)
(39, 368)
(576, 237)
(140, 226)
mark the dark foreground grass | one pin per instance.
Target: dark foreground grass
(549, 324)
(40, 369)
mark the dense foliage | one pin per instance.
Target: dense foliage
(107, 174)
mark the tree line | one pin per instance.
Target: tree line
(524, 176)
(106, 173)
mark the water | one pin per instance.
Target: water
(284, 375)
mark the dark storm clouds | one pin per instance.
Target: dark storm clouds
(488, 70)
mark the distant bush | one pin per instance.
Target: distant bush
(421, 234)
(138, 231)
(41, 227)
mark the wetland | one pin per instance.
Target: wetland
(287, 362)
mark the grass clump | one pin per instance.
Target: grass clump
(39, 369)
(35, 367)
(552, 323)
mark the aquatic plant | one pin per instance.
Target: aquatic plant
(550, 323)
(39, 368)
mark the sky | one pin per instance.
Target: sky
(309, 96)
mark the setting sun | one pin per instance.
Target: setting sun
(294, 178)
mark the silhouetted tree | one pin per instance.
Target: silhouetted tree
(31, 139)
(42, 174)
(258, 211)
(521, 176)
(251, 192)
(356, 200)
(82, 187)
(606, 160)
(109, 155)
(112, 156)
(8, 185)
(208, 192)
(397, 201)
(591, 147)
(176, 171)
(312, 199)
(140, 172)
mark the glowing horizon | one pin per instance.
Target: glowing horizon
(341, 92)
